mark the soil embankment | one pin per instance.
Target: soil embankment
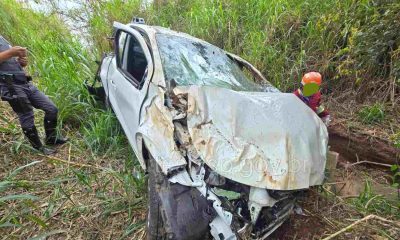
(354, 146)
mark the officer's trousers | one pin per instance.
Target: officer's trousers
(37, 99)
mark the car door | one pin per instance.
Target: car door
(131, 71)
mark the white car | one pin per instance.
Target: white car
(225, 155)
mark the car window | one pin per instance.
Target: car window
(132, 60)
(188, 61)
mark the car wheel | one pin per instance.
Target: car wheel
(175, 211)
(155, 229)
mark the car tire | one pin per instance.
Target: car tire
(175, 211)
(155, 228)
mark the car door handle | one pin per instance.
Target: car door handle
(113, 84)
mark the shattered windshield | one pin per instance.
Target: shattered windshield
(191, 62)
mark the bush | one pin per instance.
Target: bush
(58, 62)
(372, 114)
(354, 43)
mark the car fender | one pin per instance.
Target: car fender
(156, 132)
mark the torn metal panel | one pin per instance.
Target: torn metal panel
(265, 140)
(157, 128)
(185, 144)
(221, 224)
(184, 179)
(220, 230)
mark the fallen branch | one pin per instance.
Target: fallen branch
(334, 183)
(371, 216)
(373, 163)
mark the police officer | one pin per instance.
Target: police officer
(23, 96)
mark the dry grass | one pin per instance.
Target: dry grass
(76, 196)
(345, 109)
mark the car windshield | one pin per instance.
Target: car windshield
(190, 62)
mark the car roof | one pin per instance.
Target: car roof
(158, 29)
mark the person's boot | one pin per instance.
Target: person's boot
(51, 133)
(33, 137)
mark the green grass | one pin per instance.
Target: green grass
(372, 114)
(370, 203)
(60, 64)
(97, 188)
(101, 130)
(396, 139)
(353, 43)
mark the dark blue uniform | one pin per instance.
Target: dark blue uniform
(30, 97)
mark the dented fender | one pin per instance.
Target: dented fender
(156, 130)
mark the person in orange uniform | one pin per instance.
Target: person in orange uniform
(310, 94)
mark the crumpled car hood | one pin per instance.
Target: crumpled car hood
(265, 140)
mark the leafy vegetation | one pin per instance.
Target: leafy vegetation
(369, 202)
(354, 43)
(396, 140)
(396, 175)
(372, 114)
(60, 64)
(40, 196)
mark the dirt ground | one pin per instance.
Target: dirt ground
(360, 146)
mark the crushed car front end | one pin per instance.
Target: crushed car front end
(249, 150)
(248, 155)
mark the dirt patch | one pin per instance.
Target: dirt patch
(325, 215)
(299, 227)
(354, 146)
(313, 222)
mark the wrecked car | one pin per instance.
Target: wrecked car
(226, 156)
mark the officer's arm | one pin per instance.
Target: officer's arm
(5, 55)
(12, 52)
